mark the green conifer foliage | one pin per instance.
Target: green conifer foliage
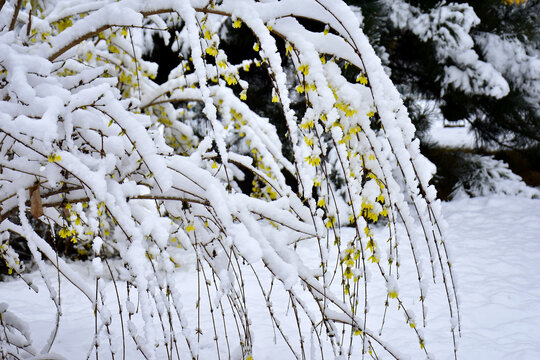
(474, 60)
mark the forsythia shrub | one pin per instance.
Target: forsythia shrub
(145, 176)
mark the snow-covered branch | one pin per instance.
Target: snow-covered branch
(143, 176)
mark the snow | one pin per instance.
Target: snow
(449, 27)
(496, 257)
(497, 261)
(451, 136)
(519, 63)
(188, 240)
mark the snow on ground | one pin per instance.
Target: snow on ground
(497, 257)
(496, 243)
(452, 136)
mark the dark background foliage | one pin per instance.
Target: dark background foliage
(508, 128)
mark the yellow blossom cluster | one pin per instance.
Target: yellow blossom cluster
(514, 2)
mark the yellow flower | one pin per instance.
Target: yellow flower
(350, 112)
(256, 47)
(313, 160)
(366, 205)
(326, 30)
(64, 24)
(211, 50)
(345, 139)
(237, 24)
(113, 49)
(275, 98)
(288, 48)
(355, 129)
(307, 124)
(64, 233)
(362, 79)
(54, 158)
(231, 80)
(341, 106)
(330, 222)
(304, 69)
(372, 216)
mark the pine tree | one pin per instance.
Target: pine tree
(477, 61)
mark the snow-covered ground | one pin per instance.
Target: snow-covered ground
(496, 243)
(452, 137)
(497, 256)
